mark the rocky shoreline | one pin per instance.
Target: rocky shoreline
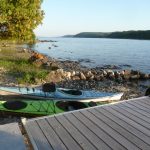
(71, 74)
(111, 78)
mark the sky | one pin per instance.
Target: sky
(66, 17)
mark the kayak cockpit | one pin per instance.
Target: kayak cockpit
(71, 92)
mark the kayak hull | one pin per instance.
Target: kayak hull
(60, 94)
(36, 108)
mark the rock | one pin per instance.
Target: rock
(135, 77)
(104, 73)
(84, 60)
(82, 76)
(54, 66)
(94, 72)
(45, 60)
(77, 73)
(110, 74)
(135, 72)
(117, 74)
(73, 73)
(127, 72)
(89, 75)
(99, 77)
(60, 71)
(75, 78)
(144, 76)
(67, 75)
(110, 67)
(122, 73)
(36, 56)
(46, 64)
(54, 76)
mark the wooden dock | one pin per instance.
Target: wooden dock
(121, 126)
(11, 137)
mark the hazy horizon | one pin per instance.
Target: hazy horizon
(67, 17)
(85, 31)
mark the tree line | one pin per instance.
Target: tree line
(145, 35)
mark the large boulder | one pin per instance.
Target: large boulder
(89, 75)
(67, 75)
(54, 76)
(75, 77)
(82, 76)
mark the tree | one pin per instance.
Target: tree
(18, 19)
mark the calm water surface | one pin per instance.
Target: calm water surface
(99, 51)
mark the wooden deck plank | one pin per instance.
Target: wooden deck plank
(69, 142)
(140, 107)
(52, 137)
(121, 140)
(83, 142)
(133, 117)
(128, 120)
(98, 130)
(146, 99)
(11, 137)
(36, 135)
(143, 104)
(125, 125)
(135, 113)
(136, 110)
(92, 137)
(147, 103)
(128, 135)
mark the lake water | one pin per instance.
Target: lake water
(94, 52)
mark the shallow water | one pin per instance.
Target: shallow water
(94, 52)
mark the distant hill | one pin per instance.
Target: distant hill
(118, 35)
(68, 36)
(92, 34)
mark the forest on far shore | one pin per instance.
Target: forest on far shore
(143, 35)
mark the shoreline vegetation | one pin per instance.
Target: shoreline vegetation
(25, 67)
(140, 35)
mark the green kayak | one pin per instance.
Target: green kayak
(42, 108)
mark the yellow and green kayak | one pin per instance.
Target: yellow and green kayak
(42, 108)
